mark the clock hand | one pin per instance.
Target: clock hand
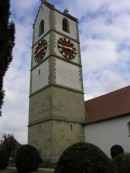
(66, 47)
(70, 48)
(39, 50)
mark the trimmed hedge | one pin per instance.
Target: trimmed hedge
(83, 158)
(4, 159)
(27, 159)
(121, 163)
(115, 150)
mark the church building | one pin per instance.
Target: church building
(58, 114)
(107, 120)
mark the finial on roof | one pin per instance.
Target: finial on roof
(66, 11)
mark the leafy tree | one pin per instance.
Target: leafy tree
(7, 38)
(4, 160)
(121, 163)
(9, 144)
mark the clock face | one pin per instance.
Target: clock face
(40, 51)
(66, 48)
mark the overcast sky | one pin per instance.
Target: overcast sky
(104, 27)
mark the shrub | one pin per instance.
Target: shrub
(4, 159)
(83, 158)
(121, 163)
(115, 150)
(27, 159)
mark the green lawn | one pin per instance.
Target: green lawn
(15, 171)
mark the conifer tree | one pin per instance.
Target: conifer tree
(7, 38)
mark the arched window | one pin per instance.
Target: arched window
(65, 25)
(41, 28)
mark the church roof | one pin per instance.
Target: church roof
(112, 105)
(11, 140)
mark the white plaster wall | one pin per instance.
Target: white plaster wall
(42, 15)
(68, 75)
(40, 80)
(47, 38)
(77, 57)
(108, 133)
(72, 25)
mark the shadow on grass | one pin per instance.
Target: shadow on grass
(8, 171)
(13, 170)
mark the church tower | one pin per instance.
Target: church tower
(56, 103)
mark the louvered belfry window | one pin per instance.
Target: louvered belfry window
(41, 28)
(65, 24)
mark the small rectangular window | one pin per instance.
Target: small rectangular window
(39, 128)
(39, 72)
(71, 127)
(128, 129)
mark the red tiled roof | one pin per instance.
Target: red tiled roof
(108, 106)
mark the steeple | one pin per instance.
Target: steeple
(56, 102)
